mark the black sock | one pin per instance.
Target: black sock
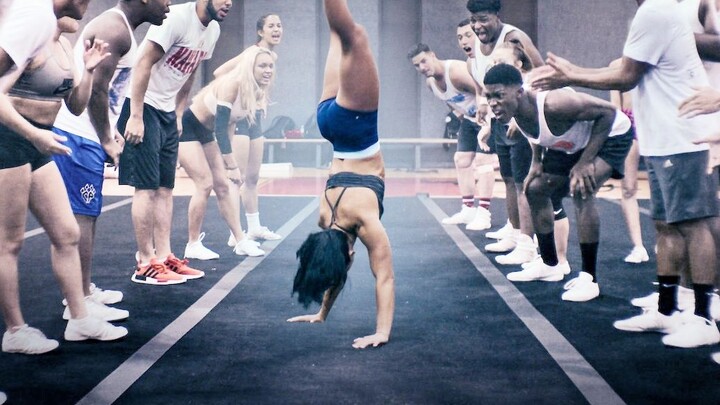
(703, 294)
(546, 244)
(589, 252)
(667, 287)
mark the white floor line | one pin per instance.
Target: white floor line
(591, 385)
(121, 203)
(120, 380)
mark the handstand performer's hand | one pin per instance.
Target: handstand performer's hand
(314, 318)
(375, 340)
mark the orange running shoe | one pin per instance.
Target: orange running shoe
(181, 268)
(156, 273)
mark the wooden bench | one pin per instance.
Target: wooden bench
(319, 143)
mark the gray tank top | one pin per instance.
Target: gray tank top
(49, 81)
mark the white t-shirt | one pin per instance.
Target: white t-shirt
(27, 27)
(186, 42)
(664, 41)
(118, 87)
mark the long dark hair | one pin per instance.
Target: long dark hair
(324, 259)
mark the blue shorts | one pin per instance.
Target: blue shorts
(82, 173)
(150, 164)
(353, 134)
(245, 128)
(680, 188)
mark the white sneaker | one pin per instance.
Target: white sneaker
(101, 311)
(466, 215)
(637, 255)
(481, 222)
(501, 233)
(263, 233)
(93, 328)
(508, 243)
(716, 357)
(649, 301)
(248, 247)
(3, 398)
(196, 250)
(539, 271)
(695, 333)
(580, 289)
(524, 252)
(232, 241)
(107, 297)
(650, 321)
(27, 340)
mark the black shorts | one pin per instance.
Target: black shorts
(245, 128)
(194, 130)
(613, 152)
(467, 136)
(514, 159)
(150, 164)
(16, 151)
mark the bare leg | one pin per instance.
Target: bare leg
(143, 217)
(222, 186)
(196, 166)
(511, 202)
(562, 233)
(355, 84)
(523, 209)
(163, 221)
(13, 210)
(466, 179)
(86, 247)
(252, 175)
(484, 176)
(629, 200)
(50, 205)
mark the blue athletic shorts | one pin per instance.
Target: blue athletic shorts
(82, 173)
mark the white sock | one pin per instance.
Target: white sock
(253, 220)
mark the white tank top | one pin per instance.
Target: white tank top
(481, 62)
(690, 9)
(574, 139)
(456, 99)
(80, 125)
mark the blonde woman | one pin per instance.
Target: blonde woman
(206, 151)
(249, 142)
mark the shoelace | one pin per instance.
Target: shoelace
(177, 263)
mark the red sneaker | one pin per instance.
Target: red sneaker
(180, 267)
(156, 273)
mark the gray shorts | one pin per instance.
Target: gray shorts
(680, 188)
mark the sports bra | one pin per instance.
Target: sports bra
(47, 82)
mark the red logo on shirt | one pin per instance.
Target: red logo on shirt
(186, 60)
(563, 145)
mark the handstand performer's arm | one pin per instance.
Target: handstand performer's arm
(374, 237)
